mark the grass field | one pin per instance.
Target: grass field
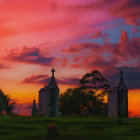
(69, 128)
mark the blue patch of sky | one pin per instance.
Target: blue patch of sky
(114, 32)
(97, 40)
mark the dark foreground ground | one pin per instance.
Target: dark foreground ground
(69, 128)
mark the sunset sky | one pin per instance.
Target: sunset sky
(72, 36)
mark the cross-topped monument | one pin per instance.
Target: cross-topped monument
(118, 99)
(49, 98)
(53, 71)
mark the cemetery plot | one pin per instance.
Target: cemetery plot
(75, 128)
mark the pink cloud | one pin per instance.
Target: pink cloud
(45, 79)
(76, 48)
(29, 56)
(135, 30)
(99, 34)
(35, 79)
(98, 62)
(127, 49)
(73, 49)
(124, 36)
(127, 9)
(102, 57)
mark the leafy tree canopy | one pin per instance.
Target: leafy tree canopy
(95, 80)
(5, 104)
(84, 100)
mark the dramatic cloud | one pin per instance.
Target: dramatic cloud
(109, 58)
(30, 56)
(36, 79)
(98, 62)
(68, 81)
(76, 48)
(126, 52)
(44, 79)
(127, 9)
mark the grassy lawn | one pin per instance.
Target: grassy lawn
(69, 128)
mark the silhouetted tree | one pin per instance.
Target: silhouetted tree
(94, 80)
(5, 103)
(80, 101)
(72, 101)
(85, 98)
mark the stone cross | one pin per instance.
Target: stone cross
(53, 72)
